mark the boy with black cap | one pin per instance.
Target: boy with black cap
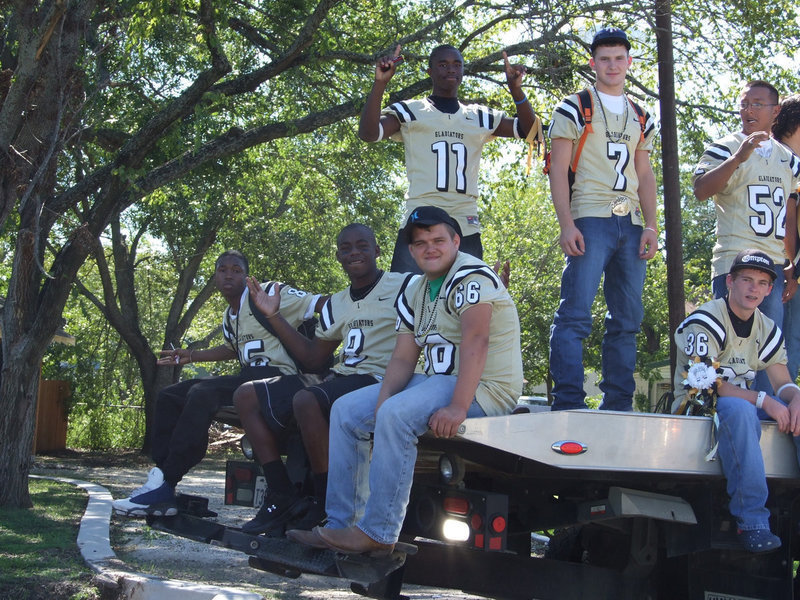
(734, 334)
(607, 218)
(463, 320)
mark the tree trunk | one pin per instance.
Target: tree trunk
(671, 171)
(18, 389)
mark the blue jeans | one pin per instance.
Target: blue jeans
(374, 495)
(738, 434)
(771, 306)
(611, 252)
(791, 334)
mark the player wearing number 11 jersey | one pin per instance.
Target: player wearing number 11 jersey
(443, 139)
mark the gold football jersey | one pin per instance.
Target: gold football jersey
(436, 326)
(443, 153)
(605, 176)
(708, 333)
(257, 347)
(751, 209)
(365, 327)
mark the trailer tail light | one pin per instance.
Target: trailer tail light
(244, 484)
(569, 447)
(476, 519)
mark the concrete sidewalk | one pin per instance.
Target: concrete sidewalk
(95, 547)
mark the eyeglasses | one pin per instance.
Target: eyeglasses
(755, 105)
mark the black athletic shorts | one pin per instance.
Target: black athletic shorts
(275, 398)
(331, 390)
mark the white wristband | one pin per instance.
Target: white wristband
(786, 385)
(760, 399)
(380, 132)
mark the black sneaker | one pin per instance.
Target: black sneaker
(315, 515)
(276, 510)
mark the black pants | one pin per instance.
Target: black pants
(184, 412)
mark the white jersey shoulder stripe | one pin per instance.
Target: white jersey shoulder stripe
(718, 151)
(709, 322)
(771, 345)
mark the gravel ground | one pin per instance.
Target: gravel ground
(156, 553)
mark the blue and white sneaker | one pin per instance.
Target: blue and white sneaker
(156, 497)
(759, 540)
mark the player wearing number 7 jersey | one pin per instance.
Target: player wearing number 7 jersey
(608, 225)
(750, 177)
(443, 139)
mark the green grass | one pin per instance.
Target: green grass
(39, 556)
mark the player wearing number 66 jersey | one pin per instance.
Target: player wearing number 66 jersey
(464, 319)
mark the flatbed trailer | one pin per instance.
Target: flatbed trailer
(632, 507)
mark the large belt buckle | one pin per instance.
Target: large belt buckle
(621, 207)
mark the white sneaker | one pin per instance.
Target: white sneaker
(155, 498)
(154, 480)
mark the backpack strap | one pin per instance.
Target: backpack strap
(641, 115)
(586, 106)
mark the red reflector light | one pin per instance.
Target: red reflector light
(495, 543)
(498, 524)
(569, 447)
(457, 506)
(479, 540)
(243, 474)
(476, 521)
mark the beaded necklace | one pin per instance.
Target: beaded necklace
(605, 120)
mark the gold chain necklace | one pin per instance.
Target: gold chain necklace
(424, 330)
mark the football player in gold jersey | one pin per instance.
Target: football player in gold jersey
(733, 333)
(608, 225)
(750, 177)
(443, 139)
(361, 318)
(462, 319)
(185, 410)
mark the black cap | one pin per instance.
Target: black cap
(754, 259)
(427, 216)
(609, 36)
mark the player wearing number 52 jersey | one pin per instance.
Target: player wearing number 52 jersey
(751, 208)
(750, 176)
(607, 220)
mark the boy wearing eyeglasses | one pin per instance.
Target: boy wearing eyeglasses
(750, 177)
